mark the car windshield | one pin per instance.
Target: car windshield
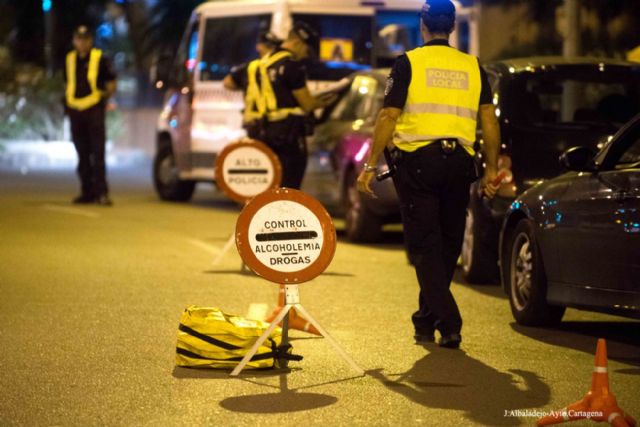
(345, 44)
(605, 96)
(230, 41)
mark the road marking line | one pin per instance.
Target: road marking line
(257, 311)
(72, 211)
(212, 250)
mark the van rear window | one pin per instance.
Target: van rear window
(229, 41)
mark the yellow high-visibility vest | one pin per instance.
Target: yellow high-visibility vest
(262, 95)
(443, 99)
(92, 77)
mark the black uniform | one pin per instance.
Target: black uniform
(285, 137)
(88, 129)
(433, 187)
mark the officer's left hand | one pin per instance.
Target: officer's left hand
(364, 183)
(488, 187)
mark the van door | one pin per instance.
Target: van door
(227, 39)
(183, 75)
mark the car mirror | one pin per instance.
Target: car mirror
(579, 159)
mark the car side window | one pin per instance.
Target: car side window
(359, 102)
(631, 157)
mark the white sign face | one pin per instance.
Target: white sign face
(285, 236)
(248, 171)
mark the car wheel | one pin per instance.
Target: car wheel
(361, 225)
(527, 282)
(479, 248)
(166, 180)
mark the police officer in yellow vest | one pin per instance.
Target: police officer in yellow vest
(90, 82)
(238, 79)
(278, 85)
(433, 98)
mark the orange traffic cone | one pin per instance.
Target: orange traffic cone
(599, 404)
(295, 321)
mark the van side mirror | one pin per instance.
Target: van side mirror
(160, 71)
(579, 159)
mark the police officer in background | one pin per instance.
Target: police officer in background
(90, 82)
(278, 84)
(433, 98)
(238, 79)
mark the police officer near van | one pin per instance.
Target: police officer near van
(278, 84)
(89, 83)
(434, 96)
(238, 79)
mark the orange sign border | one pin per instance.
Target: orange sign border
(327, 251)
(254, 143)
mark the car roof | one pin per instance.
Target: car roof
(517, 65)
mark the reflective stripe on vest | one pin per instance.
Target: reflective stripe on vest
(92, 77)
(442, 100)
(252, 97)
(266, 102)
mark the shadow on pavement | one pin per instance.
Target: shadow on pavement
(273, 403)
(623, 339)
(450, 379)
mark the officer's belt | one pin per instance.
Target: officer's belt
(283, 113)
(447, 145)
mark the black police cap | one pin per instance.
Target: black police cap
(307, 34)
(83, 31)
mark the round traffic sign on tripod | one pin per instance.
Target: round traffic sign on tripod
(247, 168)
(286, 236)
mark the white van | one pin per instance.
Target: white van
(200, 117)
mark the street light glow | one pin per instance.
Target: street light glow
(46, 5)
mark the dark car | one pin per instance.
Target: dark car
(544, 106)
(574, 241)
(337, 152)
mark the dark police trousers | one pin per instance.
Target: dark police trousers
(287, 139)
(433, 188)
(89, 135)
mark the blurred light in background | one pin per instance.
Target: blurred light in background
(46, 5)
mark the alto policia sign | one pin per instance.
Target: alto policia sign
(247, 168)
(285, 236)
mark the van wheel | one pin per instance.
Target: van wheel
(526, 280)
(166, 180)
(361, 225)
(479, 251)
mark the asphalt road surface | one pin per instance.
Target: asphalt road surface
(90, 299)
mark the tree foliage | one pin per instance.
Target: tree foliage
(167, 21)
(599, 41)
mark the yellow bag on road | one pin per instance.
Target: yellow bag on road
(209, 338)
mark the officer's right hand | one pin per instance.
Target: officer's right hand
(489, 189)
(364, 183)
